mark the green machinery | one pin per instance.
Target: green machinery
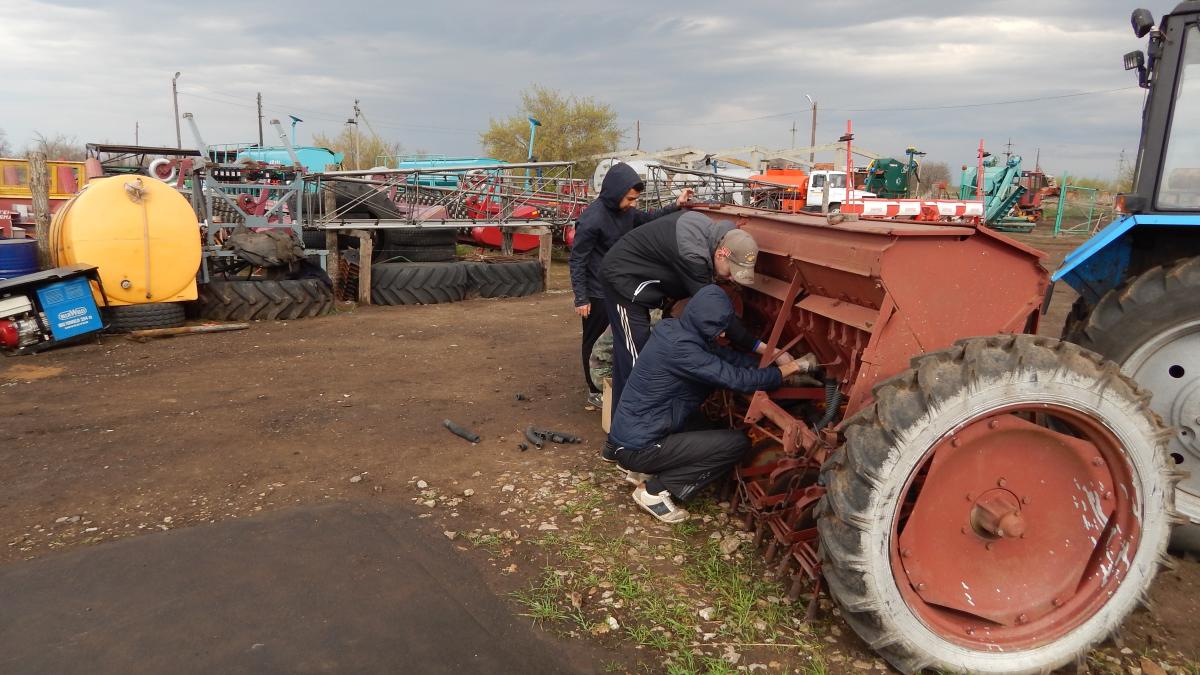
(891, 178)
(1001, 192)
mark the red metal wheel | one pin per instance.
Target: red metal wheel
(1017, 532)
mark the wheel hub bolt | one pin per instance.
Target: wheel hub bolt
(970, 630)
(1002, 482)
(1097, 462)
(1024, 618)
(992, 424)
(920, 587)
(1108, 495)
(907, 553)
(1056, 602)
(1025, 500)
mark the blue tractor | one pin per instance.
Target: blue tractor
(1138, 279)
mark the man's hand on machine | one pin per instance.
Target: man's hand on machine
(800, 366)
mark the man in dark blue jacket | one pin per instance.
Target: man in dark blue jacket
(600, 225)
(679, 367)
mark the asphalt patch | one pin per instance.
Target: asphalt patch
(331, 588)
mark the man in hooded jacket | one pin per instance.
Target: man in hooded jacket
(679, 367)
(601, 224)
(670, 259)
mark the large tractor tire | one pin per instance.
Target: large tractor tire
(127, 318)
(282, 300)
(408, 238)
(416, 254)
(999, 508)
(512, 279)
(1150, 326)
(418, 283)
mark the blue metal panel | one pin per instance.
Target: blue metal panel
(70, 308)
(1099, 264)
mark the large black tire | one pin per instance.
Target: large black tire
(1150, 326)
(418, 283)
(413, 238)
(876, 480)
(507, 279)
(416, 254)
(245, 300)
(126, 318)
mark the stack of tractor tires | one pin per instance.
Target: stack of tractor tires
(428, 283)
(260, 299)
(128, 318)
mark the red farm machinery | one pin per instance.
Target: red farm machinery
(974, 497)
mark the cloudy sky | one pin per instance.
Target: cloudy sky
(937, 75)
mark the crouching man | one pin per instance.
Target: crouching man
(679, 367)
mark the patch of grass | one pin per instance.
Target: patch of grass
(660, 612)
(590, 497)
(492, 543)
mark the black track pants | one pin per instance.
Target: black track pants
(687, 461)
(594, 325)
(630, 331)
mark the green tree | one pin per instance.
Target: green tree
(572, 128)
(362, 150)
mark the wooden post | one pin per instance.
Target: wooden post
(545, 241)
(39, 186)
(364, 266)
(333, 258)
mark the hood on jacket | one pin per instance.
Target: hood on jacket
(708, 313)
(619, 180)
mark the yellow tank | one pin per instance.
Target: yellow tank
(140, 232)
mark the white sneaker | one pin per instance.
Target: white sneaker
(636, 478)
(660, 505)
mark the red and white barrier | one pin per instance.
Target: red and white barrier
(915, 209)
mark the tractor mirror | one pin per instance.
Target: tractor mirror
(1142, 21)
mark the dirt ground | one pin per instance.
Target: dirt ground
(118, 439)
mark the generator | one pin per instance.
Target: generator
(46, 309)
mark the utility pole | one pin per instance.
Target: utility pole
(1008, 150)
(260, 138)
(812, 137)
(637, 125)
(357, 150)
(793, 133)
(175, 100)
(135, 133)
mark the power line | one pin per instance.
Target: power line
(900, 109)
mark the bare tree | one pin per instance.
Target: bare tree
(5, 148)
(59, 147)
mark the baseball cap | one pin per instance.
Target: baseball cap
(743, 252)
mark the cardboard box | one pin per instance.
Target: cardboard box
(606, 409)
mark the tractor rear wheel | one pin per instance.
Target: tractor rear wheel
(1150, 326)
(1000, 507)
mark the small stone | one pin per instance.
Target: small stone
(508, 488)
(547, 526)
(468, 492)
(1151, 668)
(477, 474)
(612, 623)
(429, 503)
(92, 529)
(577, 519)
(730, 544)
(168, 519)
(707, 613)
(421, 485)
(861, 665)
(757, 666)
(62, 520)
(355, 479)
(74, 519)
(1126, 651)
(451, 535)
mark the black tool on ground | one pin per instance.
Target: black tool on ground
(523, 447)
(522, 397)
(460, 431)
(534, 438)
(546, 435)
